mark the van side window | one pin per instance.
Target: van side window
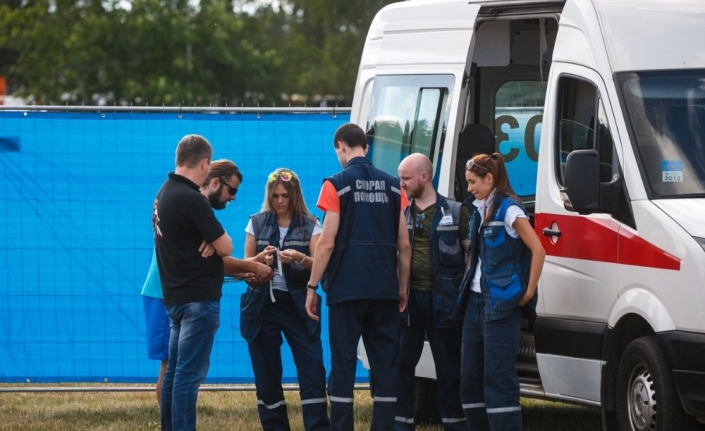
(582, 124)
(518, 114)
(408, 114)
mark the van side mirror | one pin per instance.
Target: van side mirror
(582, 182)
(583, 191)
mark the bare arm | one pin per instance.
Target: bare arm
(253, 263)
(264, 257)
(223, 245)
(527, 234)
(403, 261)
(324, 249)
(237, 267)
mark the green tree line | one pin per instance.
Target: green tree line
(202, 52)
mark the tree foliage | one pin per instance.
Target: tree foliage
(172, 52)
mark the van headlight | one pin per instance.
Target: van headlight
(700, 241)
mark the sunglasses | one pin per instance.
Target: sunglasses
(471, 163)
(418, 227)
(232, 190)
(286, 176)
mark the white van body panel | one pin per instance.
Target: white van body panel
(631, 48)
(424, 369)
(681, 297)
(570, 379)
(579, 39)
(686, 212)
(428, 32)
(645, 303)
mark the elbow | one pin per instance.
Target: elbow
(540, 254)
(225, 251)
(324, 247)
(405, 249)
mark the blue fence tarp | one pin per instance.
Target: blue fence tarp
(76, 236)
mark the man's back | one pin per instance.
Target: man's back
(363, 264)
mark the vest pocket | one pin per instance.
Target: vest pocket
(251, 312)
(450, 251)
(494, 237)
(506, 292)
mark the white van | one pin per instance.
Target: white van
(598, 107)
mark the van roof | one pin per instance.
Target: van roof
(653, 34)
(638, 34)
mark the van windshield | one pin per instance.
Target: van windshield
(666, 113)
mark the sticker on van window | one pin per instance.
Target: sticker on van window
(672, 171)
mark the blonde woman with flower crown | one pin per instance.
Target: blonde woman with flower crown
(284, 235)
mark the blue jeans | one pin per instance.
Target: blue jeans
(489, 386)
(193, 328)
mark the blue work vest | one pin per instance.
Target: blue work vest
(447, 259)
(506, 263)
(363, 264)
(253, 301)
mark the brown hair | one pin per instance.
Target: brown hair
(484, 164)
(293, 187)
(223, 169)
(192, 149)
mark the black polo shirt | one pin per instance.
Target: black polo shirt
(184, 218)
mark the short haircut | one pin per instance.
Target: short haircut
(191, 150)
(352, 135)
(224, 169)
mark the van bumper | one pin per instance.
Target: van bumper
(685, 352)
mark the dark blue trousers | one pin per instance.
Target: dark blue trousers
(445, 346)
(377, 321)
(265, 352)
(489, 386)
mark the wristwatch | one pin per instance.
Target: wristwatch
(314, 287)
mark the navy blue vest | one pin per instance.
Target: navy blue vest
(363, 264)
(447, 259)
(253, 301)
(506, 263)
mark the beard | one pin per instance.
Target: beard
(415, 192)
(214, 199)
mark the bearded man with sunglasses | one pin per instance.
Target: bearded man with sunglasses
(438, 231)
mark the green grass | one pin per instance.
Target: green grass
(119, 411)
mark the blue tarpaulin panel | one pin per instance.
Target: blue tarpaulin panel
(76, 236)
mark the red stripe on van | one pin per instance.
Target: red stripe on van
(596, 239)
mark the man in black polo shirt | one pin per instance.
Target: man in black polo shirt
(192, 278)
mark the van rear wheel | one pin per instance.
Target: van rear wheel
(646, 396)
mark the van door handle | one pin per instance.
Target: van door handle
(551, 232)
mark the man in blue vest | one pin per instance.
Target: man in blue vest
(363, 258)
(438, 228)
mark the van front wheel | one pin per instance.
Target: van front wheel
(646, 396)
